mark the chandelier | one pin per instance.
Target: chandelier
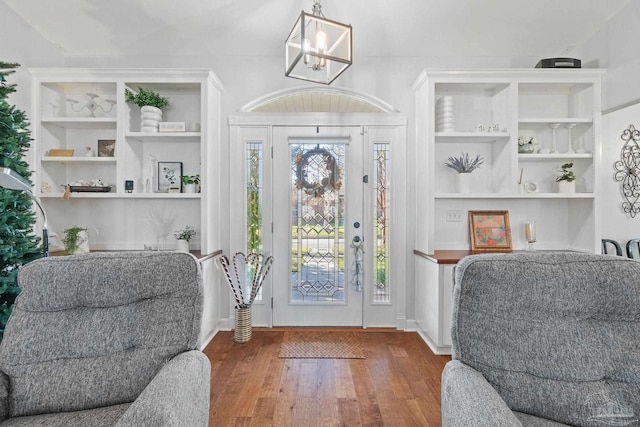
(317, 49)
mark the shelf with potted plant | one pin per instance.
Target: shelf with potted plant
(170, 137)
(115, 195)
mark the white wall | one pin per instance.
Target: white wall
(616, 224)
(21, 44)
(615, 47)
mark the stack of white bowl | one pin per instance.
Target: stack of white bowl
(445, 119)
(150, 117)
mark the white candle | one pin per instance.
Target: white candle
(530, 232)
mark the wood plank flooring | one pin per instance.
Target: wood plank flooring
(398, 384)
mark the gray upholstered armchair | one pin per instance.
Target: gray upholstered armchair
(544, 339)
(106, 339)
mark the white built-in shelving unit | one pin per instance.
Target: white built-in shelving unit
(121, 220)
(521, 103)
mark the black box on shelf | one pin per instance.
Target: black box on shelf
(559, 63)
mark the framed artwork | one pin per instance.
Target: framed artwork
(169, 174)
(106, 147)
(490, 231)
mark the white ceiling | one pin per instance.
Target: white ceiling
(415, 28)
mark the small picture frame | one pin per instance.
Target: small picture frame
(490, 231)
(106, 147)
(169, 174)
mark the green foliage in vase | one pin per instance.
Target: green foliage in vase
(190, 179)
(146, 98)
(566, 174)
(18, 243)
(70, 240)
(186, 233)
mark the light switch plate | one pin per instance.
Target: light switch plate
(454, 216)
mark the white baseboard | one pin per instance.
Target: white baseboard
(208, 339)
(220, 325)
(439, 350)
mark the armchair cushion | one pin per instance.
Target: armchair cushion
(557, 335)
(93, 330)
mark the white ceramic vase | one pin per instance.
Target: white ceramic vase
(82, 244)
(150, 117)
(190, 188)
(182, 245)
(567, 187)
(463, 182)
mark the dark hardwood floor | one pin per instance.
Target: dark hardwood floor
(398, 384)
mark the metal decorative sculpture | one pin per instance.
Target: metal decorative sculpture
(628, 171)
(245, 280)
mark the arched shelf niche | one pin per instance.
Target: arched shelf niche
(317, 100)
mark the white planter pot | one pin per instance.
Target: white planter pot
(150, 117)
(82, 243)
(190, 188)
(463, 182)
(182, 246)
(150, 109)
(567, 187)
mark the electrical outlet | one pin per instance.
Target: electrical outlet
(454, 216)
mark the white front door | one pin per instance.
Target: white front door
(318, 197)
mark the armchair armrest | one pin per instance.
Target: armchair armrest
(468, 400)
(178, 396)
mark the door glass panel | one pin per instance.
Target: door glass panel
(381, 223)
(254, 204)
(317, 223)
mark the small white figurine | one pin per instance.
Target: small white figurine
(90, 152)
(149, 173)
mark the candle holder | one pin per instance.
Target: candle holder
(570, 126)
(91, 105)
(530, 234)
(554, 143)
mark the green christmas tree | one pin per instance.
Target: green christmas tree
(18, 243)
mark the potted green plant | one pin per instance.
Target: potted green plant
(151, 105)
(183, 237)
(567, 179)
(146, 98)
(76, 240)
(464, 165)
(190, 183)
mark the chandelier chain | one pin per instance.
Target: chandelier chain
(317, 9)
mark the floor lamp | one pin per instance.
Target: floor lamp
(10, 180)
